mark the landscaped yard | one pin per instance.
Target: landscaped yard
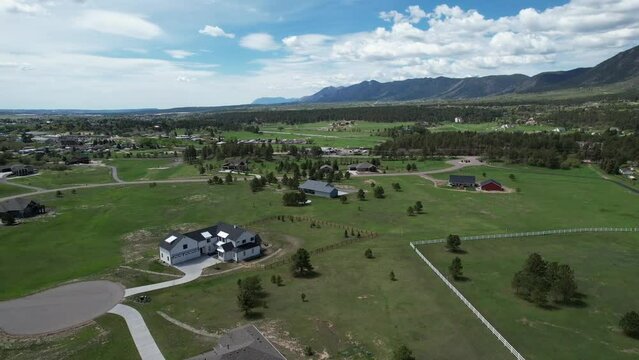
(605, 268)
(77, 175)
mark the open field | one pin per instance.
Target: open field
(361, 134)
(604, 265)
(9, 190)
(77, 175)
(488, 127)
(340, 315)
(152, 169)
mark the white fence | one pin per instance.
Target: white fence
(532, 233)
(486, 323)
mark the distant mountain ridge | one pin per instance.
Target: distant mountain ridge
(274, 101)
(621, 67)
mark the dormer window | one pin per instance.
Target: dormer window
(185, 246)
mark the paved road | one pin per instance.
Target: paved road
(455, 165)
(60, 308)
(142, 338)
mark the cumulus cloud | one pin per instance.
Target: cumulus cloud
(20, 7)
(118, 23)
(259, 41)
(179, 54)
(216, 31)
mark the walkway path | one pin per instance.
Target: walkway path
(456, 164)
(142, 338)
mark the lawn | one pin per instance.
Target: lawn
(489, 127)
(152, 169)
(9, 190)
(77, 175)
(340, 315)
(604, 266)
(107, 338)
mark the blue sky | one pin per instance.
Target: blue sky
(161, 53)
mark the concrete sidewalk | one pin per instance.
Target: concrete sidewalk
(142, 338)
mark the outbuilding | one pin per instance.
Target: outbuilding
(363, 167)
(319, 188)
(465, 181)
(21, 208)
(491, 185)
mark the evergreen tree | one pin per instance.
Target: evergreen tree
(453, 243)
(456, 269)
(301, 263)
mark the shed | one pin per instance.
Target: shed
(491, 185)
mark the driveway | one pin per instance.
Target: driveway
(192, 270)
(60, 308)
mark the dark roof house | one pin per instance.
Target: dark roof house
(319, 188)
(368, 167)
(236, 164)
(21, 208)
(462, 181)
(243, 343)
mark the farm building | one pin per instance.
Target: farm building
(227, 242)
(326, 169)
(21, 208)
(491, 185)
(363, 167)
(319, 188)
(240, 165)
(243, 343)
(462, 181)
(78, 160)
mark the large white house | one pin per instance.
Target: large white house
(227, 242)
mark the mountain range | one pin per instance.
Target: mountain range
(620, 68)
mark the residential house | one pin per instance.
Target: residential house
(243, 343)
(19, 170)
(21, 208)
(78, 160)
(319, 188)
(491, 185)
(227, 242)
(363, 167)
(326, 169)
(462, 181)
(459, 120)
(239, 165)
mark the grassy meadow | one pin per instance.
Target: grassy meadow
(76, 175)
(604, 265)
(10, 190)
(354, 310)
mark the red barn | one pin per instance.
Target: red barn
(491, 185)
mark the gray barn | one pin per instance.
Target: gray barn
(319, 188)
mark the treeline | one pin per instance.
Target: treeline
(622, 117)
(538, 149)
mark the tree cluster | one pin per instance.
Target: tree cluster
(540, 280)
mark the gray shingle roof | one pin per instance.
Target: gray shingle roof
(243, 343)
(317, 186)
(18, 204)
(234, 231)
(462, 179)
(169, 246)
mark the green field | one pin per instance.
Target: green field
(353, 308)
(152, 169)
(605, 267)
(108, 338)
(9, 190)
(77, 175)
(361, 134)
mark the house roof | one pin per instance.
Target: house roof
(170, 241)
(233, 232)
(243, 343)
(227, 246)
(248, 246)
(489, 181)
(18, 204)
(462, 179)
(363, 166)
(317, 186)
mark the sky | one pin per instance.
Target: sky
(117, 54)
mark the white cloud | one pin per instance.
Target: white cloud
(259, 41)
(179, 54)
(118, 23)
(216, 31)
(20, 7)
